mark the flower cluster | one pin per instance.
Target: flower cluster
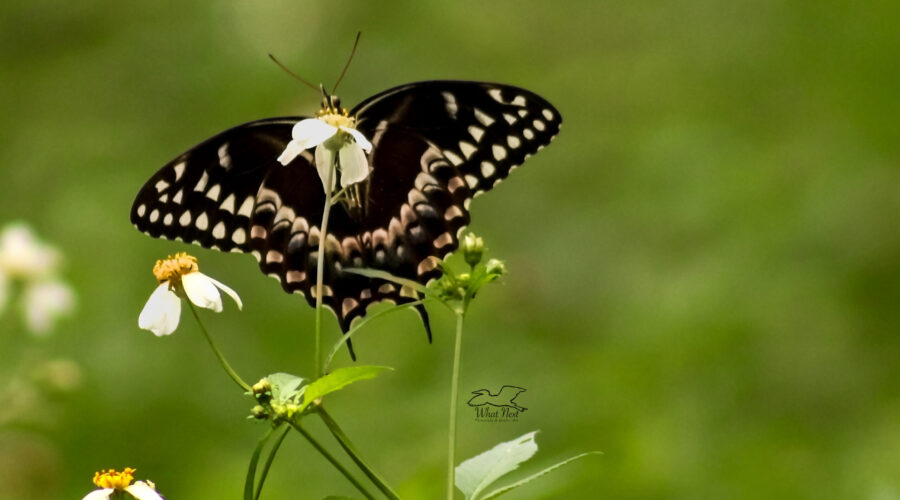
(179, 277)
(32, 267)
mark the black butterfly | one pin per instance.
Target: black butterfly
(436, 145)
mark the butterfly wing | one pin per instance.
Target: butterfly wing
(206, 195)
(484, 129)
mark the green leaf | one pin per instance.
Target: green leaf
(499, 491)
(337, 380)
(254, 460)
(284, 387)
(333, 497)
(477, 473)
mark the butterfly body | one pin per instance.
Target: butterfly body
(436, 145)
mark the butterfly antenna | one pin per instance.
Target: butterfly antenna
(298, 77)
(355, 43)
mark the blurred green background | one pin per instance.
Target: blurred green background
(704, 267)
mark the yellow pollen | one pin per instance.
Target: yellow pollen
(336, 119)
(174, 267)
(113, 479)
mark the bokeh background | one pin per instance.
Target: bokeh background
(704, 267)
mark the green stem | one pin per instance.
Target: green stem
(230, 371)
(328, 456)
(265, 472)
(347, 445)
(337, 345)
(454, 394)
(320, 270)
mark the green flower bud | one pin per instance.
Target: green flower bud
(473, 249)
(495, 267)
(258, 412)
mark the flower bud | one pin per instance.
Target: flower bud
(495, 267)
(259, 412)
(473, 249)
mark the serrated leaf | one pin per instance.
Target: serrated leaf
(477, 473)
(284, 387)
(339, 379)
(499, 491)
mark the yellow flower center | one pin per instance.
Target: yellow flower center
(113, 479)
(173, 267)
(335, 119)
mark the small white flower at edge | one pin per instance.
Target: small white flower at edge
(331, 134)
(111, 481)
(23, 256)
(44, 302)
(178, 277)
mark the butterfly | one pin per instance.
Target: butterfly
(435, 146)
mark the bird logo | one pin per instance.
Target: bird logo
(505, 398)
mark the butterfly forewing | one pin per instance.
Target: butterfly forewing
(483, 129)
(206, 195)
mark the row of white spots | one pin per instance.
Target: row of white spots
(496, 94)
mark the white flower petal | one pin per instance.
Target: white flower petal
(143, 491)
(162, 311)
(99, 494)
(293, 149)
(359, 138)
(325, 166)
(312, 132)
(45, 302)
(354, 165)
(201, 291)
(23, 256)
(225, 288)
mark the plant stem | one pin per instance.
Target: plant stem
(347, 445)
(228, 369)
(454, 393)
(265, 472)
(328, 456)
(320, 269)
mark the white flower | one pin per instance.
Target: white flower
(111, 481)
(334, 137)
(44, 302)
(179, 276)
(22, 256)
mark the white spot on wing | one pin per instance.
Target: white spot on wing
(495, 94)
(247, 207)
(154, 215)
(467, 149)
(483, 117)
(499, 152)
(228, 204)
(519, 100)
(450, 104)
(476, 132)
(453, 157)
(487, 169)
(539, 125)
(141, 210)
(161, 185)
(224, 157)
(510, 119)
(513, 141)
(177, 197)
(218, 232)
(185, 219)
(167, 220)
(179, 171)
(528, 133)
(239, 236)
(202, 222)
(213, 193)
(472, 181)
(547, 114)
(201, 184)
